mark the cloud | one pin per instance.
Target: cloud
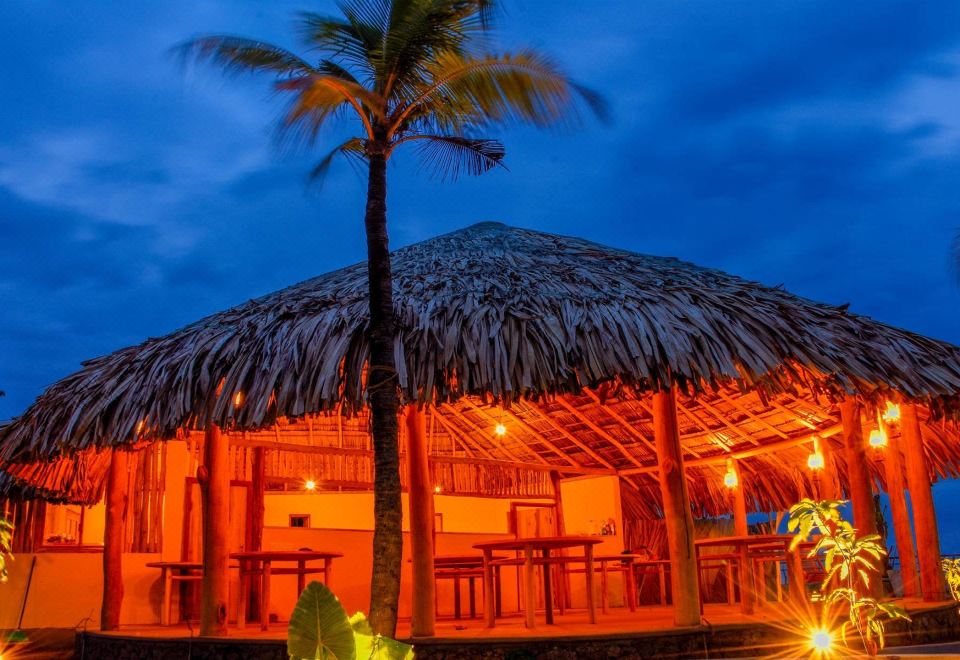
(811, 144)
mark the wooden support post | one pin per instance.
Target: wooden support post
(858, 472)
(739, 497)
(676, 511)
(214, 479)
(423, 613)
(921, 498)
(858, 475)
(116, 509)
(896, 491)
(829, 488)
(258, 487)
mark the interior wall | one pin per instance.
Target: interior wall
(67, 586)
(354, 511)
(589, 503)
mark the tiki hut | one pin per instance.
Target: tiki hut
(525, 359)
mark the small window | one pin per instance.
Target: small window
(299, 520)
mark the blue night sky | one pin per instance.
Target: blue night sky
(812, 144)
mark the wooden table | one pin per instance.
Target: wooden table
(743, 545)
(261, 563)
(529, 546)
(170, 572)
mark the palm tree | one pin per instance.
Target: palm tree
(405, 72)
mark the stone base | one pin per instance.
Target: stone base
(930, 625)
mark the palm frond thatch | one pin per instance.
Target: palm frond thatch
(492, 311)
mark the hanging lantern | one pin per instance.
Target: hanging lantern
(892, 414)
(815, 460)
(730, 479)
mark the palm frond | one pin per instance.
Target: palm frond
(419, 29)
(450, 156)
(243, 55)
(355, 37)
(497, 89)
(354, 148)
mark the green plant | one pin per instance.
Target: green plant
(321, 630)
(6, 547)
(951, 571)
(851, 562)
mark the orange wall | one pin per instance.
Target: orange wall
(67, 587)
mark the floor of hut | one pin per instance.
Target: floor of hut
(574, 623)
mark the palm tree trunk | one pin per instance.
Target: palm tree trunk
(384, 408)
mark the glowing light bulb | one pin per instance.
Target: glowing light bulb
(892, 414)
(815, 461)
(878, 439)
(437, 489)
(730, 479)
(821, 640)
(310, 484)
(500, 430)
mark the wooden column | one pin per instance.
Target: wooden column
(423, 613)
(258, 487)
(902, 532)
(676, 511)
(921, 498)
(829, 488)
(858, 472)
(116, 510)
(214, 479)
(858, 475)
(739, 497)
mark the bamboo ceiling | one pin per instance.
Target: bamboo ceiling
(573, 335)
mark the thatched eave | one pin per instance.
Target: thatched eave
(490, 311)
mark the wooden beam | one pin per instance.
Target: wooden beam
(676, 511)
(572, 438)
(471, 460)
(586, 421)
(423, 610)
(902, 532)
(736, 403)
(623, 421)
(726, 422)
(500, 445)
(463, 439)
(116, 510)
(766, 448)
(921, 498)
(536, 434)
(800, 420)
(214, 479)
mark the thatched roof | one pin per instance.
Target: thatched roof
(492, 311)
